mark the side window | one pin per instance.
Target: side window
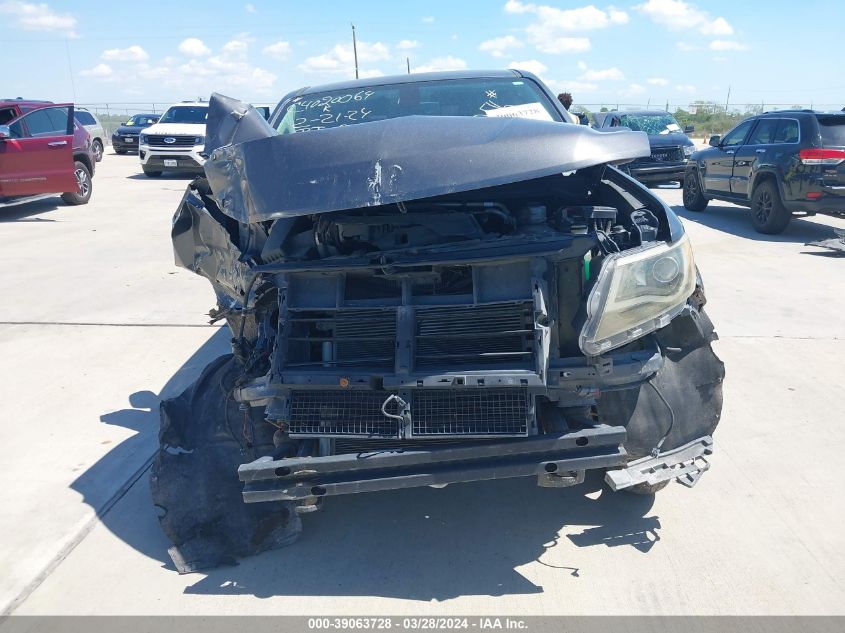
(6, 115)
(58, 119)
(787, 132)
(36, 123)
(84, 118)
(764, 133)
(737, 135)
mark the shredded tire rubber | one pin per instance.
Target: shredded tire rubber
(204, 437)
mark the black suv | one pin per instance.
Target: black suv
(777, 163)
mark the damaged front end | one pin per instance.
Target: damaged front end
(419, 302)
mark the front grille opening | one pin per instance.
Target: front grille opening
(444, 281)
(341, 338)
(485, 412)
(333, 412)
(359, 287)
(493, 334)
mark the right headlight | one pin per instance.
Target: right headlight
(637, 292)
(142, 138)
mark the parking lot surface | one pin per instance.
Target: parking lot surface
(98, 325)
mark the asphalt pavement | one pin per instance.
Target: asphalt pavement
(98, 325)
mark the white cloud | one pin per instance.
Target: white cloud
(688, 88)
(632, 90)
(727, 45)
(564, 45)
(38, 17)
(194, 47)
(235, 48)
(513, 6)
(657, 81)
(441, 63)
(130, 54)
(278, 50)
(552, 30)
(428, 19)
(341, 59)
(499, 46)
(100, 71)
(373, 72)
(719, 26)
(406, 45)
(531, 65)
(687, 47)
(572, 85)
(678, 15)
(607, 74)
(250, 8)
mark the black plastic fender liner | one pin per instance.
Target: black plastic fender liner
(690, 381)
(193, 481)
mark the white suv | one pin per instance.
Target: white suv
(176, 142)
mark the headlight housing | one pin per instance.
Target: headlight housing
(142, 138)
(688, 150)
(637, 292)
(199, 140)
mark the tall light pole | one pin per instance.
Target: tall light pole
(408, 63)
(355, 51)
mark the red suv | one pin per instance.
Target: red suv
(43, 151)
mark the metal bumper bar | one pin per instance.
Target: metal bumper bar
(685, 463)
(543, 456)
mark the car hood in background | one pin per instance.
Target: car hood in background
(257, 175)
(664, 140)
(131, 129)
(193, 129)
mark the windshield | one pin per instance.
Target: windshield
(650, 123)
(185, 114)
(140, 120)
(452, 97)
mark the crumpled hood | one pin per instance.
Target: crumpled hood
(257, 175)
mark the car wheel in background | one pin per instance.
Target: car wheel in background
(768, 215)
(83, 177)
(119, 151)
(97, 146)
(151, 173)
(694, 200)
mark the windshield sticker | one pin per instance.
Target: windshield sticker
(524, 111)
(672, 127)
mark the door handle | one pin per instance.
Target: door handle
(760, 151)
(729, 151)
(57, 143)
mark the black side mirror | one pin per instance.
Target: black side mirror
(714, 140)
(689, 129)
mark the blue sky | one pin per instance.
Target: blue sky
(772, 52)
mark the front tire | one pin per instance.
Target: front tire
(647, 489)
(151, 173)
(120, 151)
(97, 147)
(83, 179)
(694, 199)
(768, 215)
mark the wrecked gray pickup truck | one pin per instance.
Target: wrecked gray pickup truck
(422, 301)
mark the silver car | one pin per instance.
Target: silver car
(90, 122)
